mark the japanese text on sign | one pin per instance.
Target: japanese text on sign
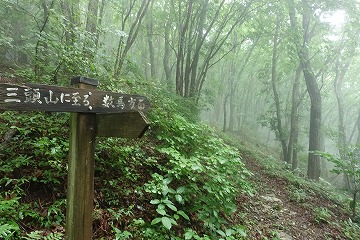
(44, 97)
(32, 95)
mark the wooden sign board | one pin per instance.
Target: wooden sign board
(123, 125)
(94, 113)
(37, 97)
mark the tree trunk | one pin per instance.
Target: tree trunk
(314, 170)
(180, 56)
(71, 21)
(41, 46)
(338, 81)
(133, 31)
(196, 56)
(201, 37)
(167, 68)
(225, 112)
(92, 16)
(358, 127)
(99, 23)
(235, 78)
(280, 130)
(232, 109)
(149, 29)
(339, 78)
(294, 122)
(247, 107)
(232, 95)
(91, 28)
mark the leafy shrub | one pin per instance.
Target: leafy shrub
(322, 215)
(7, 230)
(351, 230)
(169, 213)
(349, 166)
(8, 217)
(181, 173)
(34, 160)
(209, 173)
(298, 195)
(42, 236)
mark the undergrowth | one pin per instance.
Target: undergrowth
(301, 190)
(179, 181)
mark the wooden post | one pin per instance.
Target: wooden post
(80, 192)
(93, 112)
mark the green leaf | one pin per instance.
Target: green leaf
(155, 221)
(161, 206)
(6, 230)
(241, 231)
(155, 201)
(183, 214)
(172, 207)
(165, 190)
(167, 201)
(161, 211)
(166, 222)
(166, 181)
(228, 232)
(179, 198)
(221, 233)
(189, 234)
(180, 190)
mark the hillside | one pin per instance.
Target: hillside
(279, 78)
(179, 171)
(288, 207)
(181, 180)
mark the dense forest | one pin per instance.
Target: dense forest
(230, 82)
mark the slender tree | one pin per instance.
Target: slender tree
(292, 150)
(71, 11)
(302, 46)
(203, 29)
(132, 16)
(279, 125)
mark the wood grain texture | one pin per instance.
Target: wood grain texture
(122, 125)
(80, 192)
(38, 97)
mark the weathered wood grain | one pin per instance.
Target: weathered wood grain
(123, 125)
(80, 192)
(38, 97)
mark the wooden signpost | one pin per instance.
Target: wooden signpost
(37, 97)
(93, 113)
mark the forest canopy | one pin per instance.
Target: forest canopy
(288, 65)
(284, 72)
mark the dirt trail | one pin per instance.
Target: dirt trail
(281, 210)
